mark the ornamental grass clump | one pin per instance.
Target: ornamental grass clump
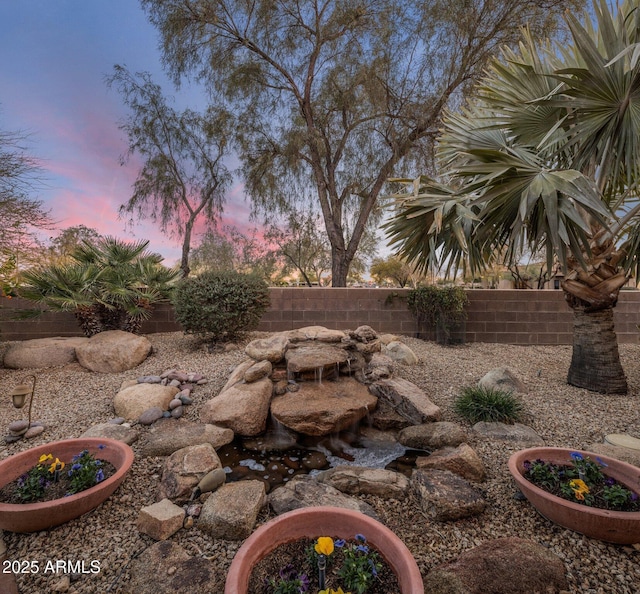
(477, 403)
(585, 482)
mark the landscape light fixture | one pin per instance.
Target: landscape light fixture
(21, 392)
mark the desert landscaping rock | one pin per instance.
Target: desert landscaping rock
(432, 436)
(257, 371)
(445, 496)
(268, 349)
(407, 399)
(160, 520)
(131, 402)
(33, 432)
(177, 412)
(354, 480)
(43, 352)
(243, 408)
(517, 433)
(314, 357)
(184, 469)
(18, 427)
(151, 415)
(113, 351)
(399, 352)
(305, 491)
(70, 399)
(170, 436)
(364, 334)
(502, 566)
(232, 510)
(502, 379)
(316, 333)
(320, 409)
(619, 453)
(166, 568)
(461, 460)
(379, 367)
(112, 431)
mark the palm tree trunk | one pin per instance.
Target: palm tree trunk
(595, 363)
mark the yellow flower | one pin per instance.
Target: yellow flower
(44, 458)
(579, 486)
(57, 465)
(331, 591)
(324, 545)
(579, 495)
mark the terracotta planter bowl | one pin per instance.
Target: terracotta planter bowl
(311, 522)
(32, 517)
(609, 526)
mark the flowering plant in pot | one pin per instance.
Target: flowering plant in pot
(81, 484)
(595, 495)
(315, 523)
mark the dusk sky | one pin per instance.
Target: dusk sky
(55, 55)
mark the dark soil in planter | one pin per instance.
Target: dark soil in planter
(8, 493)
(296, 555)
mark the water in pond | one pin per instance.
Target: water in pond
(278, 455)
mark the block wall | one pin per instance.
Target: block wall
(502, 316)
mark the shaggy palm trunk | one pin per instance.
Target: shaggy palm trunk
(595, 363)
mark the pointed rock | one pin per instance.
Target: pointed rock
(517, 433)
(461, 460)
(432, 436)
(407, 399)
(169, 436)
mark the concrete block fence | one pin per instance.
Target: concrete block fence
(500, 316)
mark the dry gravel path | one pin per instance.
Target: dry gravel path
(70, 399)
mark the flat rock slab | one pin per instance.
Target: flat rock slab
(314, 357)
(358, 480)
(43, 352)
(110, 431)
(232, 510)
(445, 496)
(305, 491)
(502, 566)
(169, 436)
(113, 351)
(318, 333)
(323, 408)
(243, 408)
(407, 400)
(166, 568)
(517, 433)
(430, 436)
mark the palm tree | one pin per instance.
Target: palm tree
(109, 285)
(545, 159)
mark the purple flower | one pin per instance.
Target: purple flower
(362, 549)
(576, 456)
(634, 496)
(361, 537)
(99, 476)
(527, 465)
(601, 462)
(76, 467)
(610, 481)
(374, 571)
(101, 446)
(339, 543)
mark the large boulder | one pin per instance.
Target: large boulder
(503, 566)
(232, 510)
(268, 349)
(243, 408)
(305, 491)
(317, 333)
(400, 352)
(314, 358)
(445, 496)
(323, 408)
(502, 378)
(461, 460)
(430, 436)
(131, 402)
(42, 352)
(359, 480)
(113, 351)
(184, 469)
(406, 399)
(168, 436)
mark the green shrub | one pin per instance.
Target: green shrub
(221, 305)
(476, 403)
(442, 308)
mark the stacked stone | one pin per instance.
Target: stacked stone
(23, 430)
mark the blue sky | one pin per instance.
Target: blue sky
(54, 56)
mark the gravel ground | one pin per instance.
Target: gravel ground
(70, 399)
